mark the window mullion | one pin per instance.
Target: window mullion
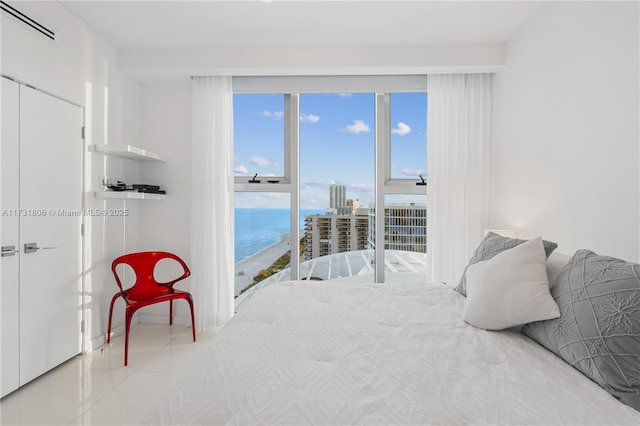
(382, 171)
(292, 150)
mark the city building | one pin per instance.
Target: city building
(405, 228)
(335, 233)
(337, 196)
(350, 207)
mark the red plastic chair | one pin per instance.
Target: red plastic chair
(146, 290)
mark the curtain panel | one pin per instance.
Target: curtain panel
(458, 161)
(212, 217)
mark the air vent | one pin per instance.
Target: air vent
(6, 8)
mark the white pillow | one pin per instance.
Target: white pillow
(511, 289)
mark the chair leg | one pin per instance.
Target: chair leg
(170, 312)
(127, 327)
(193, 323)
(113, 300)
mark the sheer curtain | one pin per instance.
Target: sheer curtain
(458, 149)
(212, 263)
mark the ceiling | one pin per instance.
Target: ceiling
(174, 24)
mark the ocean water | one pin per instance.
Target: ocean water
(256, 229)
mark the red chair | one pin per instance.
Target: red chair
(146, 290)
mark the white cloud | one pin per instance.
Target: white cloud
(325, 184)
(261, 200)
(314, 183)
(309, 118)
(262, 162)
(358, 126)
(360, 187)
(414, 172)
(276, 115)
(344, 95)
(402, 129)
(241, 170)
(313, 201)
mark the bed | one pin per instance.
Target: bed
(334, 352)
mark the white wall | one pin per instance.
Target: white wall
(165, 224)
(81, 67)
(565, 150)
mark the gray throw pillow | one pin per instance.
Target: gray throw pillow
(598, 331)
(491, 245)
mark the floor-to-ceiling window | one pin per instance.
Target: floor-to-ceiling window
(312, 164)
(337, 173)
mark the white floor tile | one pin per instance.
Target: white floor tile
(96, 388)
(58, 396)
(130, 401)
(171, 360)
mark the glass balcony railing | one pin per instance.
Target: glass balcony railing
(349, 266)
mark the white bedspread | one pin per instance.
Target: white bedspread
(336, 353)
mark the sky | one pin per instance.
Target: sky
(337, 135)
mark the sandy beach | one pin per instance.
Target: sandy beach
(250, 266)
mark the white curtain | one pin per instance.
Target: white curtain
(458, 157)
(212, 262)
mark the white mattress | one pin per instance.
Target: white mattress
(338, 353)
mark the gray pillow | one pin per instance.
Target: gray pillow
(598, 331)
(491, 245)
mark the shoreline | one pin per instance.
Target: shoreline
(250, 266)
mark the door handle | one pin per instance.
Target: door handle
(9, 251)
(33, 247)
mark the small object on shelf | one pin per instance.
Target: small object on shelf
(273, 181)
(423, 183)
(119, 186)
(254, 180)
(141, 188)
(148, 189)
(145, 187)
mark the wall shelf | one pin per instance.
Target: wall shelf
(132, 153)
(127, 151)
(129, 195)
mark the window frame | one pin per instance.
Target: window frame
(243, 182)
(291, 88)
(394, 185)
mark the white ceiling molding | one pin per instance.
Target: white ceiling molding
(170, 64)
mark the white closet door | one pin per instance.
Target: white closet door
(9, 280)
(50, 277)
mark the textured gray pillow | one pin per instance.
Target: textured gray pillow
(598, 331)
(491, 245)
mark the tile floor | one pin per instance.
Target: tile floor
(96, 389)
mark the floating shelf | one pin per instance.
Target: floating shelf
(127, 151)
(129, 195)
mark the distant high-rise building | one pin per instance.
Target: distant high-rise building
(405, 228)
(343, 229)
(353, 205)
(335, 233)
(337, 196)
